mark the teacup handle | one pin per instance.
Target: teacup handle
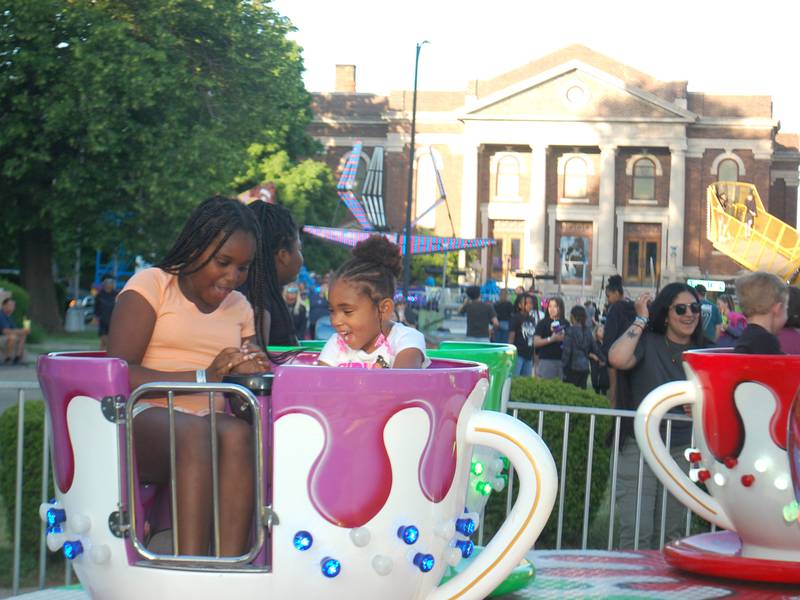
(538, 483)
(646, 426)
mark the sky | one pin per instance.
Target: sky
(729, 47)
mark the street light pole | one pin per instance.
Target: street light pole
(407, 249)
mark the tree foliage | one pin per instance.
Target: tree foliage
(308, 189)
(116, 117)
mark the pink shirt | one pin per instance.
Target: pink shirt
(789, 338)
(185, 338)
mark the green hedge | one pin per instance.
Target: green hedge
(32, 473)
(543, 391)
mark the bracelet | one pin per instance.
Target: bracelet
(200, 376)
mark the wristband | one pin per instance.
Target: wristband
(641, 321)
(200, 376)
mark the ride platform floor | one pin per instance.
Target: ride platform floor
(594, 574)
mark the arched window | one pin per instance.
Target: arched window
(426, 192)
(575, 172)
(644, 179)
(507, 177)
(728, 170)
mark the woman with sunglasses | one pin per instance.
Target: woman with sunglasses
(651, 349)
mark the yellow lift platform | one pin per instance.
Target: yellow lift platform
(739, 226)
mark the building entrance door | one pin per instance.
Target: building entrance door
(642, 254)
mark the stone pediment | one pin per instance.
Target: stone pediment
(575, 91)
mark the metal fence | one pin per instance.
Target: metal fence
(516, 409)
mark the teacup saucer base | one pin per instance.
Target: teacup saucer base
(717, 555)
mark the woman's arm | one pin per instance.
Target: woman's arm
(538, 341)
(132, 324)
(621, 355)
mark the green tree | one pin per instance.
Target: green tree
(117, 117)
(308, 189)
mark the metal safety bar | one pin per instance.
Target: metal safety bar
(263, 515)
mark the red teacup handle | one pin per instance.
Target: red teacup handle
(538, 483)
(647, 428)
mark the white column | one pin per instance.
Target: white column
(469, 190)
(604, 262)
(535, 225)
(677, 211)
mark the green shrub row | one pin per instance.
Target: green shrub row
(544, 391)
(32, 473)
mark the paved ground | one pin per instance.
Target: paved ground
(26, 372)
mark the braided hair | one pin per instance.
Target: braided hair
(375, 266)
(278, 232)
(211, 224)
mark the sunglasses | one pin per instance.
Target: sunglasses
(680, 309)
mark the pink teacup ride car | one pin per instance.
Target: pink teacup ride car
(361, 479)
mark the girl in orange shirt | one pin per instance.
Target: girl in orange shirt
(183, 320)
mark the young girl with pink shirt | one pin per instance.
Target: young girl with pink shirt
(361, 305)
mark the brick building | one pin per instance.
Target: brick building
(579, 165)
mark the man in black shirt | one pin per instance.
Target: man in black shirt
(103, 307)
(480, 315)
(503, 309)
(764, 299)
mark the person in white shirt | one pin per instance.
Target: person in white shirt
(361, 305)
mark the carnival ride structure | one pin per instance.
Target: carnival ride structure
(363, 197)
(377, 510)
(738, 225)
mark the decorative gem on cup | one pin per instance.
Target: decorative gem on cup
(408, 533)
(330, 567)
(424, 562)
(303, 540)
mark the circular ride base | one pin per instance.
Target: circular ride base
(521, 577)
(717, 555)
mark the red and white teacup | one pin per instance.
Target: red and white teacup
(740, 405)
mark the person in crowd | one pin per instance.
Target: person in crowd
(709, 314)
(362, 312)
(578, 341)
(15, 335)
(103, 306)
(318, 303)
(282, 257)
(789, 335)
(405, 313)
(749, 214)
(620, 314)
(297, 308)
(521, 331)
(733, 322)
(764, 299)
(599, 363)
(183, 320)
(592, 314)
(651, 350)
(481, 318)
(503, 309)
(548, 338)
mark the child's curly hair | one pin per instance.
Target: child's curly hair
(375, 266)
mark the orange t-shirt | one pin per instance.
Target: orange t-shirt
(184, 338)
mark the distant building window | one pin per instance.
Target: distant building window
(575, 171)
(508, 177)
(644, 179)
(728, 170)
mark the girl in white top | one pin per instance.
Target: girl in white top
(361, 305)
